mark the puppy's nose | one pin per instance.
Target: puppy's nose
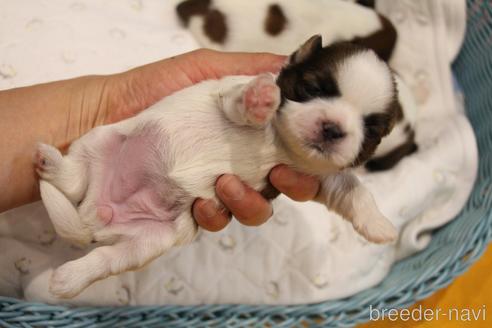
(332, 131)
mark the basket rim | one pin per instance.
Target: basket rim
(347, 311)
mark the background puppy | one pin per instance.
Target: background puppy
(280, 26)
(131, 185)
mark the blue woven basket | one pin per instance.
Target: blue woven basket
(453, 249)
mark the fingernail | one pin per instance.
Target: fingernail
(232, 188)
(209, 209)
(286, 178)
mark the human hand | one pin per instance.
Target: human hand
(130, 92)
(247, 205)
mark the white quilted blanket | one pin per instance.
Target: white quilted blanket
(304, 253)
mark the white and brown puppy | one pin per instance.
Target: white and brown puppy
(365, 3)
(279, 26)
(131, 185)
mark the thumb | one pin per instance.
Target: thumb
(145, 85)
(215, 64)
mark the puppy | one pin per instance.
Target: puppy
(131, 185)
(280, 26)
(365, 3)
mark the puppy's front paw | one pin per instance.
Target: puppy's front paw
(67, 281)
(375, 228)
(261, 99)
(47, 161)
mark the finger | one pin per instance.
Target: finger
(297, 186)
(206, 64)
(144, 85)
(246, 63)
(209, 216)
(247, 205)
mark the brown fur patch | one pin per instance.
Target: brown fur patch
(269, 192)
(189, 8)
(383, 41)
(310, 73)
(306, 50)
(215, 26)
(389, 160)
(377, 126)
(275, 20)
(398, 112)
(367, 3)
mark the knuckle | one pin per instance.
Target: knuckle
(300, 197)
(294, 195)
(303, 195)
(214, 224)
(249, 220)
(211, 221)
(256, 218)
(215, 227)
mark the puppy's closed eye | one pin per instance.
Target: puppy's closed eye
(304, 92)
(313, 90)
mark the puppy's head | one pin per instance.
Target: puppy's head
(337, 104)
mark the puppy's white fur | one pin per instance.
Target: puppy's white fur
(335, 20)
(189, 139)
(364, 81)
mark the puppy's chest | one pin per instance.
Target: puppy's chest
(159, 169)
(203, 150)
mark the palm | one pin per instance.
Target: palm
(133, 91)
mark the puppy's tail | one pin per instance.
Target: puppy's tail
(366, 82)
(63, 215)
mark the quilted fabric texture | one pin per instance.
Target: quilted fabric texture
(304, 253)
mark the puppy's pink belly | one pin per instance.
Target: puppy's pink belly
(141, 205)
(127, 191)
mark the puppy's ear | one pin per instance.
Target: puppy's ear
(306, 50)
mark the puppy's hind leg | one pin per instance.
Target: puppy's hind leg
(252, 104)
(67, 173)
(64, 215)
(70, 173)
(62, 185)
(139, 243)
(64, 181)
(344, 194)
